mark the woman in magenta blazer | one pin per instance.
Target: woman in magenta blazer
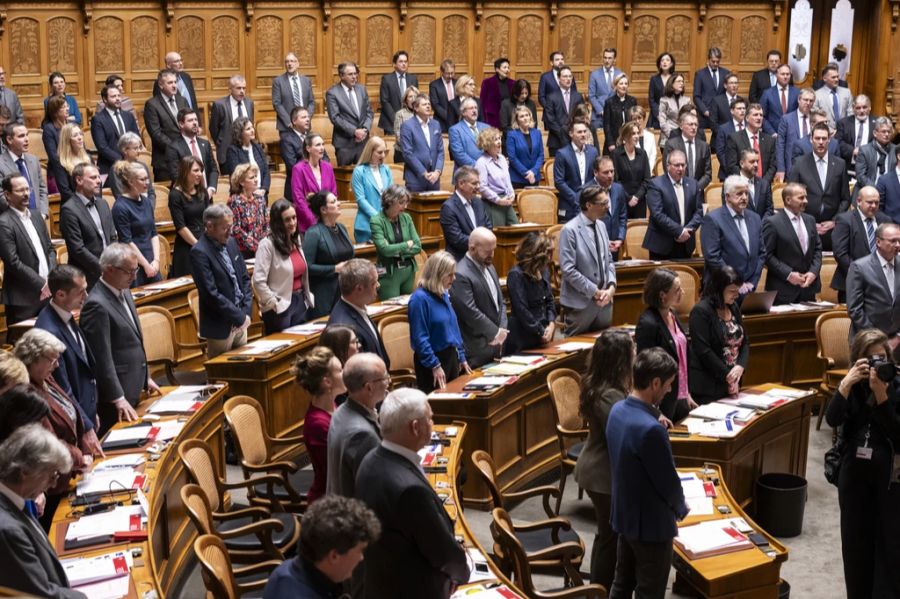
(310, 176)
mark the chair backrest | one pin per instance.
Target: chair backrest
(505, 536)
(634, 237)
(197, 458)
(267, 132)
(762, 278)
(197, 505)
(245, 417)
(276, 186)
(564, 385)
(537, 206)
(62, 254)
(832, 332)
(484, 466)
(348, 217)
(107, 195)
(215, 567)
(165, 256)
(777, 198)
(158, 327)
(36, 144)
(713, 196)
(394, 331)
(555, 272)
(826, 274)
(397, 171)
(547, 173)
(690, 285)
(161, 212)
(223, 191)
(421, 257)
(194, 306)
(698, 247)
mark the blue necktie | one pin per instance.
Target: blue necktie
(870, 234)
(24, 172)
(834, 105)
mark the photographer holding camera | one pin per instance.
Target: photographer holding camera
(866, 406)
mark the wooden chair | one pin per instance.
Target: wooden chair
(348, 217)
(162, 346)
(635, 232)
(421, 257)
(267, 134)
(691, 285)
(107, 195)
(223, 191)
(394, 332)
(777, 199)
(197, 458)
(826, 274)
(219, 574)
(564, 385)
(161, 211)
(276, 186)
(832, 333)
(698, 247)
(397, 171)
(537, 206)
(62, 254)
(762, 278)
(569, 555)
(286, 488)
(165, 256)
(547, 173)
(555, 272)
(36, 145)
(712, 195)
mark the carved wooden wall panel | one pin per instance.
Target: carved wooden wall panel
(145, 54)
(270, 42)
(421, 45)
(721, 31)
(455, 41)
(496, 40)
(346, 39)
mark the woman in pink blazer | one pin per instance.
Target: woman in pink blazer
(310, 176)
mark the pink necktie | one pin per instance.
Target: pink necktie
(801, 233)
(449, 85)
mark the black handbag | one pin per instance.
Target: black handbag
(833, 458)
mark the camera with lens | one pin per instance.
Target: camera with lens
(885, 370)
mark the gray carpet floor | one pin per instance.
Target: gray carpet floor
(814, 568)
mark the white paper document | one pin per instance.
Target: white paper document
(571, 346)
(308, 328)
(263, 346)
(128, 433)
(129, 460)
(720, 411)
(85, 570)
(120, 519)
(112, 481)
(713, 537)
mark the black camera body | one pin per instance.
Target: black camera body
(885, 370)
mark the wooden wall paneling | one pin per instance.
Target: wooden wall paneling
(582, 33)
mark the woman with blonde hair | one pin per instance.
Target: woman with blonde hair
(248, 204)
(55, 118)
(465, 88)
(371, 176)
(495, 184)
(525, 149)
(406, 112)
(71, 154)
(133, 215)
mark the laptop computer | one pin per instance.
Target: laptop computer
(759, 302)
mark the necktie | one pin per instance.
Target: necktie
(801, 232)
(783, 100)
(449, 85)
(474, 130)
(24, 172)
(240, 106)
(870, 234)
(127, 308)
(195, 151)
(120, 126)
(715, 75)
(759, 162)
(821, 166)
(834, 105)
(690, 159)
(352, 97)
(679, 195)
(859, 132)
(889, 275)
(742, 227)
(751, 191)
(402, 84)
(805, 126)
(566, 99)
(173, 108)
(73, 326)
(741, 126)
(609, 79)
(471, 212)
(295, 91)
(599, 249)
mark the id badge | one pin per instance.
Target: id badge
(864, 453)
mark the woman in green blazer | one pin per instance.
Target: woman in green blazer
(327, 247)
(396, 243)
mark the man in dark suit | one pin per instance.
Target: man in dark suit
(804, 144)
(15, 160)
(358, 281)
(108, 125)
(557, 108)
(779, 100)
(289, 91)
(417, 535)
(699, 161)
(878, 157)
(189, 143)
(441, 91)
(86, 223)
(873, 286)
(222, 282)
(676, 210)
(184, 84)
(720, 107)
(351, 114)
(793, 250)
(730, 236)
(478, 301)
(291, 143)
(888, 187)
(463, 212)
(113, 333)
(27, 254)
(736, 123)
(856, 130)
(709, 82)
(616, 218)
(826, 181)
(794, 126)
(549, 82)
(161, 121)
(572, 169)
(765, 78)
(758, 189)
(423, 148)
(393, 86)
(225, 111)
(647, 500)
(10, 99)
(854, 236)
(752, 138)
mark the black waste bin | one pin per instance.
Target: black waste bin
(780, 501)
(784, 590)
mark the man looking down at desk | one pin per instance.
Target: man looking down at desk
(417, 555)
(647, 499)
(358, 281)
(873, 295)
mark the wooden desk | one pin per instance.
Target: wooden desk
(425, 209)
(629, 303)
(507, 240)
(175, 300)
(430, 244)
(783, 348)
(742, 574)
(775, 441)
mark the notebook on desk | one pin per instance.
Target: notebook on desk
(759, 302)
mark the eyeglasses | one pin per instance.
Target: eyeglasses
(51, 359)
(386, 379)
(130, 273)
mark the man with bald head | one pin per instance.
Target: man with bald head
(478, 301)
(224, 111)
(854, 235)
(793, 249)
(184, 83)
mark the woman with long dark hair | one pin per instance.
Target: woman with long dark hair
(665, 66)
(533, 320)
(187, 201)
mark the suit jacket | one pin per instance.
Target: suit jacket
(344, 313)
(390, 99)
(888, 187)
(725, 131)
(804, 146)
(521, 158)
(633, 175)
(665, 223)
(614, 116)
(417, 535)
(548, 85)
(723, 245)
(741, 141)
(556, 117)
(21, 283)
(55, 170)
(598, 92)
(771, 105)
(824, 204)
(784, 256)
(185, 77)
(583, 272)
(353, 433)
(106, 137)
(789, 132)
(759, 83)
(83, 241)
(653, 331)
(220, 120)
(761, 200)
(825, 102)
(38, 182)
(707, 366)
(491, 98)
(30, 563)
(236, 156)
(456, 225)
(532, 308)
(368, 197)
(846, 136)
(321, 257)
(440, 103)
(117, 342)
(220, 310)
(719, 112)
(654, 93)
(867, 164)
(616, 218)
(646, 495)
(850, 242)
(705, 89)
(10, 99)
(421, 156)
(480, 316)
(702, 158)
(162, 126)
(463, 148)
(567, 178)
(283, 99)
(179, 148)
(344, 117)
(869, 302)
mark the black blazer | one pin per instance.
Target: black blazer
(739, 141)
(846, 136)
(760, 82)
(849, 242)
(824, 204)
(106, 137)
(656, 90)
(556, 118)
(762, 198)
(218, 311)
(163, 129)
(634, 176)
(390, 100)
(220, 123)
(784, 256)
(188, 83)
(532, 310)
(614, 111)
(437, 92)
(344, 313)
(417, 535)
(652, 331)
(707, 368)
(456, 225)
(83, 240)
(179, 148)
(702, 158)
(292, 152)
(235, 156)
(21, 283)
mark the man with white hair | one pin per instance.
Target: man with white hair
(417, 536)
(478, 301)
(463, 136)
(224, 111)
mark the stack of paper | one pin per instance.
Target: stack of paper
(110, 481)
(183, 400)
(101, 577)
(128, 518)
(129, 460)
(787, 392)
(263, 346)
(169, 429)
(713, 537)
(489, 382)
(438, 395)
(400, 300)
(307, 328)
(720, 429)
(485, 592)
(373, 310)
(695, 495)
(573, 346)
(506, 368)
(170, 284)
(721, 411)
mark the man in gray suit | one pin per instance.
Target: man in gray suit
(223, 113)
(86, 223)
(478, 300)
(393, 86)
(351, 114)
(836, 101)
(161, 121)
(588, 272)
(16, 160)
(290, 90)
(10, 99)
(876, 157)
(354, 430)
(873, 286)
(112, 330)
